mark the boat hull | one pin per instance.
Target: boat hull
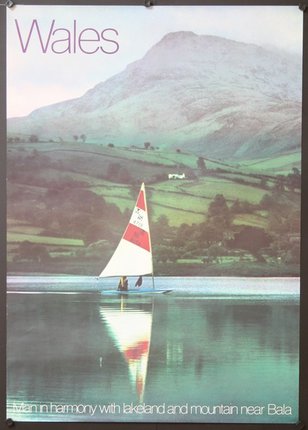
(135, 292)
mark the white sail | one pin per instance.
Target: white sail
(133, 255)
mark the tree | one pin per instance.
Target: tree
(243, 207)
(163, 221)
(210, 233)
(236, 207)
(219, 216)
(97, 231)
(219, 212)
(293, 255)
(32, 252)
(33, 138)
(83, 137)
(253, 239)
(267, 202)
(215, 251)
(280, 183)
(161, 229)
(165, 253)
(183, 233)
(294, 179)
(296, 171)
(263, 183)
(147, 145)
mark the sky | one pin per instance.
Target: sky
(36, 79)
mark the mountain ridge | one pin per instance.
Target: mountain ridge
(216, 96)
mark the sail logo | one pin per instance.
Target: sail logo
(139, 219)
(67, 40)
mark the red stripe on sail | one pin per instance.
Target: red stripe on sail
(137, 236)
(141, 201)
(137, 351)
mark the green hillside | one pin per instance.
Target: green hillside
(282, 164)
(63, 198)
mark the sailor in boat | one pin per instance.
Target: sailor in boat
(123, 284)
(138, 282)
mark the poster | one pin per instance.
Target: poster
(181, 141)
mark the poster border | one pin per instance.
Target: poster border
(303, 391)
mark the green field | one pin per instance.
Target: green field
(253, 220)
(45, 240)
(282, 164)
(208, 188)
(61, 194)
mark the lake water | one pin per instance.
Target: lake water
(213, 350)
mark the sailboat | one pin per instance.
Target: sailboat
(133, 255)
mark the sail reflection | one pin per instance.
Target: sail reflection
(130, 325)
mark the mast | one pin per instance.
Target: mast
(146, 208)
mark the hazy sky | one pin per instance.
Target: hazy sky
(37, 79)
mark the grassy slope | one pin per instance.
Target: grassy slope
(282, 164)
(44, 240)
(182, 201)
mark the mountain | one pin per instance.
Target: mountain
(211, 95)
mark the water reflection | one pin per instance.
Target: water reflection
(130, 326)
(91, 349)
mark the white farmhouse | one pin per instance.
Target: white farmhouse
(176, 176)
